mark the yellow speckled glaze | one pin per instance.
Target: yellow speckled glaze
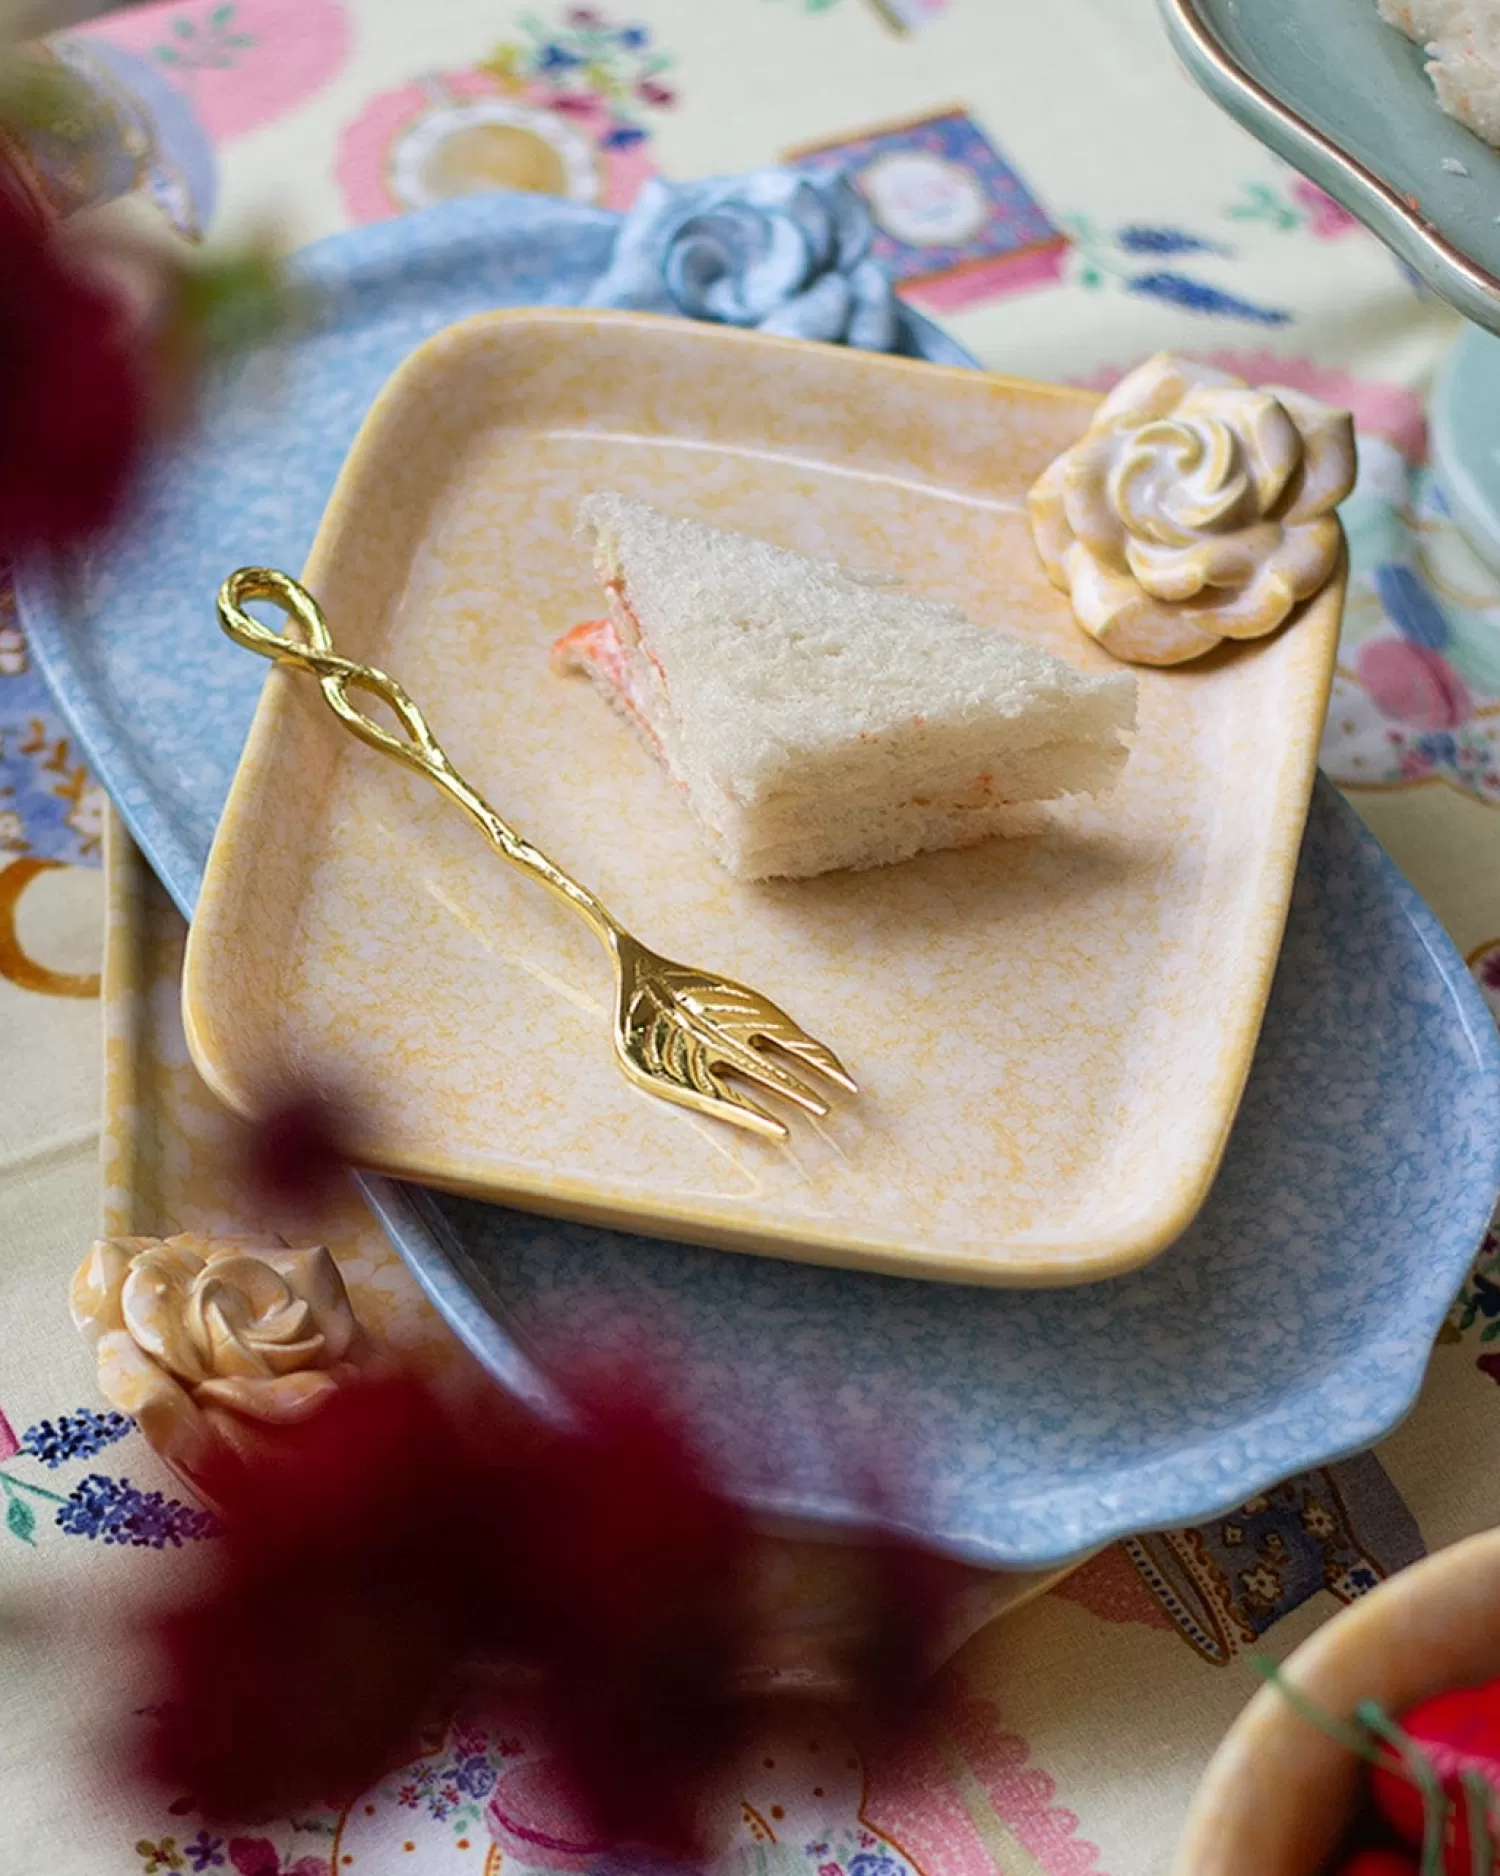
(1050, 1034)
(171, 1156)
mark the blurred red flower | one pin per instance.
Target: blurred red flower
(399, 1552)
(407, 1551)
(357, 1571)
(73, 400)
(297, 1150)
(636, 1579)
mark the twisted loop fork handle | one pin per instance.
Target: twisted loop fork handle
(689, 1036)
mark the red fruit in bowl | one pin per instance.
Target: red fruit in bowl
(1457, 1732)
(1379, 1863)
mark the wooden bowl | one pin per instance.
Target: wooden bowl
(1279, 1793)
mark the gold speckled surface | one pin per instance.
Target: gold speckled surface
(1051, 1034)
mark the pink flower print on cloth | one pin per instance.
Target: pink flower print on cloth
(241, 63)
(1413, 684)
(791, 1802)
(914, 1800)
(1326, 219)
(258, 1856)
(563, 110)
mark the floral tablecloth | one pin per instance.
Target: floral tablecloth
(1052, 188)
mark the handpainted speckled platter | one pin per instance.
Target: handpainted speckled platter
(1050, 1034)
(173, 1160)
(1281, 1332)
(1292, 1323)
(1343, 96)
(1290, 1326)
(160, 702)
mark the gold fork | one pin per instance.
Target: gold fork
(679, 1033)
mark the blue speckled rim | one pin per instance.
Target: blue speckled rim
(329, 265)
(1162, 1495)
(1012, 1526)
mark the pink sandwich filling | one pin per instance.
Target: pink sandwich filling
(596, 648)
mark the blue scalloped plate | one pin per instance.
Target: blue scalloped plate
(1290, 1326)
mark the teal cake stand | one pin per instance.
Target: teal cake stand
(1344, 98)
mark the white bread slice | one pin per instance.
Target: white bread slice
(1462, 41)
(818, 720)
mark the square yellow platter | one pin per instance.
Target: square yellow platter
(1051, 1034)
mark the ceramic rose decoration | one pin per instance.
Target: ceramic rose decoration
(782, 250)
(200, 1340)
(1194, 509)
